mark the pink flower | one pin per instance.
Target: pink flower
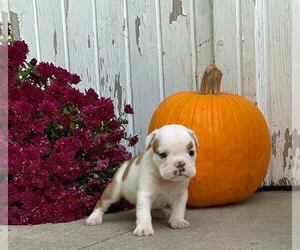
(63, 121)
(116, 124)
(83, 167)
(31, 93)
(117, 136)
(94, 115)
(47, 107)
(17, 53)
(133, 140)
(33, 62)
(128, 109)
(93, 184)
(102, 165)
(91, 96)
(48, 70)
(84, 138)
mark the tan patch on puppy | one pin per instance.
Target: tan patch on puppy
(107, 194)
(139, 159)
(155, 145)
(190, 146)
(150, 143)
(130, 163)
(192, 133)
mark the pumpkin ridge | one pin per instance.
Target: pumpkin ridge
(196, 102)
(221, 103)
(259, 120)
(182, 111)
(204, 119)
(175, 108)
(248, 134)
(214, 144)
(207, 122)
(256, 121)
(238, 161)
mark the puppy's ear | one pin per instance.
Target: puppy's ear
(150, 138)
(194, 137)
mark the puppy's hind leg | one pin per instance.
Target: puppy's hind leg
(110, 195)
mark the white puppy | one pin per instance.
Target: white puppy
(155, 179)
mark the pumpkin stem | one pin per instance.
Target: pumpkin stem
(211, 80)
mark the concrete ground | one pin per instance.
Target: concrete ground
(262, 222)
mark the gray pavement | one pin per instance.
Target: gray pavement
(264, 221)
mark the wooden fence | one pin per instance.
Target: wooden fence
(141, 51)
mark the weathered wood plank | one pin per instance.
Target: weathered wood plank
(279, 71)
(177, 46)
(248, 87)
(144, 63)
(261, 67)
(111, 51)
(50, 31)
(296, 92)
(4, 8)
(25, 19)
(204, 37)
(227, 43)
(4, 17)
(80, 37)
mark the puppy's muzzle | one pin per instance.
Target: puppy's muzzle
(180, 165)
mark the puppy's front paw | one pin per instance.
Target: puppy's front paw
(94, 219)
(179, 223)
(143, 230)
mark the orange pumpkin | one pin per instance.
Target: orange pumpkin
(235, 147)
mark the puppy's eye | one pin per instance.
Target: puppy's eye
(162, 155)
(191, 152)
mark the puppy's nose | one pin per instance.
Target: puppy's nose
(180, 165)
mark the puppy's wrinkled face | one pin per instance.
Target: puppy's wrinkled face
(174, 152)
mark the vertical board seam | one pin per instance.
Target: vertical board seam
(36, 29)
(213, 32)
(261, 66)
(65, 35)
(129, 90)
(96, 54)
(159, 50)
(267, 77)
(193, 44)
(295, 61)
(240, 82)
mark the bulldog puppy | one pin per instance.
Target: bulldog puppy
(155, 179)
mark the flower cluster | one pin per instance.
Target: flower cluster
(64, 145)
